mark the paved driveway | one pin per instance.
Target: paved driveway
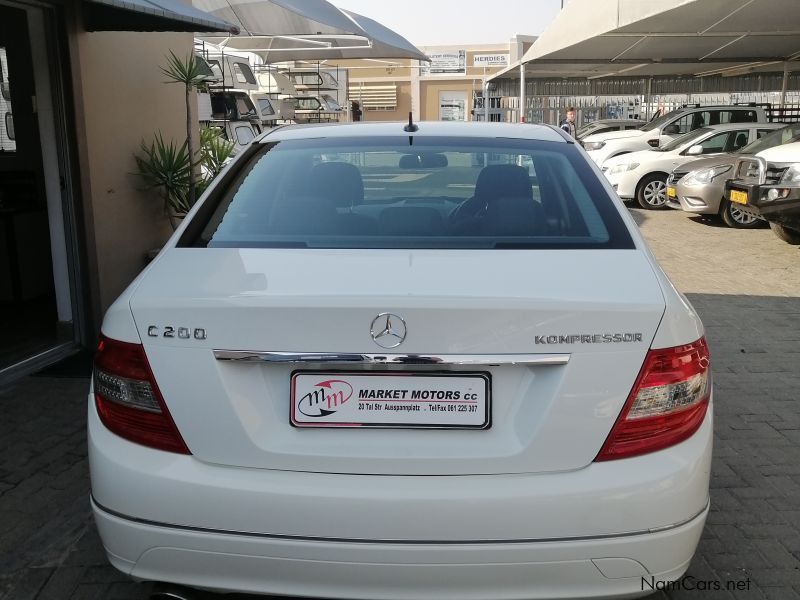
(746, 286)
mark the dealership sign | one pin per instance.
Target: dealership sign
(451, 63)
(490, 60)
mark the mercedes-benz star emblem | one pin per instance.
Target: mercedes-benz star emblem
(388, 330)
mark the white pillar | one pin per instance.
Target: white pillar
(485, 101)
(522, 92)
(784, 85)
(416, 108)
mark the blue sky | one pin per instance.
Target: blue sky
(429, 22)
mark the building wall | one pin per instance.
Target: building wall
(406, 75)
(121, 99)
(429, 96)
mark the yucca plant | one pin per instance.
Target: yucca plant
(214, 151)
(190, 73)
(167, 167)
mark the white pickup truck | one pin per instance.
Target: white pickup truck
(663, 129)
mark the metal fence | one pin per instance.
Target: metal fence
(626, 97)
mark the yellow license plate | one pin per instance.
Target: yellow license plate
(738, 196)
(671, 192)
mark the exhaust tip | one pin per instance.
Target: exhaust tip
(173, 592)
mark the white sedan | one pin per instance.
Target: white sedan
(642, 175)
(388, 361)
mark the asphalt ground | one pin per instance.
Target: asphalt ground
(744, 284)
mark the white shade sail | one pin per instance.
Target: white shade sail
(286, 30)
(603, 38)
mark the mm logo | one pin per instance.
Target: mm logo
(326, 398)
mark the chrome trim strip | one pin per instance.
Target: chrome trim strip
(329, 358)
(307, 538)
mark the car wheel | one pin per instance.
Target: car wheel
(735, 217)
(652, 192)
(790, 236)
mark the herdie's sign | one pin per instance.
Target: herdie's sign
(490, 60)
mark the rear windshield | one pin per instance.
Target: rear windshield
(411, 193)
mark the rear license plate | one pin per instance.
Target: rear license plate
(671, 193)
(390, 399)
(738, 196)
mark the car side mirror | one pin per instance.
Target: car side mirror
(695, 150)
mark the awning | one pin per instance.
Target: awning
(150, 15)
(640, 38)
(288, 30)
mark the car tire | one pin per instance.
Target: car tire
(736, 218)
(651, 192)
(790, 236)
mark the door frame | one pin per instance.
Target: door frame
(61, 182)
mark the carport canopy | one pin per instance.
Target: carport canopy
(287, 30)
(150, 15)
(641, 38)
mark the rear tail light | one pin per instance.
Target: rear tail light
(127, 397)
(667, 404)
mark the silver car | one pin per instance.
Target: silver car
(606, 125)
(699, 186)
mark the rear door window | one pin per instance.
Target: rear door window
(431, 193)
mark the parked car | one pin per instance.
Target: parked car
(664, 129)
(643, 175)
(698, 187)
(767, 185)
(271, 402)
(608, 125)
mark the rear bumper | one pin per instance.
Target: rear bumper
(594, 532)
(608, 567)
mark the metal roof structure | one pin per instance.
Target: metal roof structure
(287, 30)
(150, 15)
(643, 38)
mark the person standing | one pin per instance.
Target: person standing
(568, 123)
(355, 110)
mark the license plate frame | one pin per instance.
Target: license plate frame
(737, 196)
(310, 389)
(671, 192)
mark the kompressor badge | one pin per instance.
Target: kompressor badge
(589, 338)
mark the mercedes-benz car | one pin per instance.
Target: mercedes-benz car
(387, 360)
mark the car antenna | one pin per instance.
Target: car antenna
(411, 127)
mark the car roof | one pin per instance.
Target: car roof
(613, 121)
(747, 125)
(464, 129)
(721, 106)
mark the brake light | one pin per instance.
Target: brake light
(667, 404)
(128, 400)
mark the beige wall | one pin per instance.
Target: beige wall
(121, 98)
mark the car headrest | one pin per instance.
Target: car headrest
(339, 181)
(503, 181)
